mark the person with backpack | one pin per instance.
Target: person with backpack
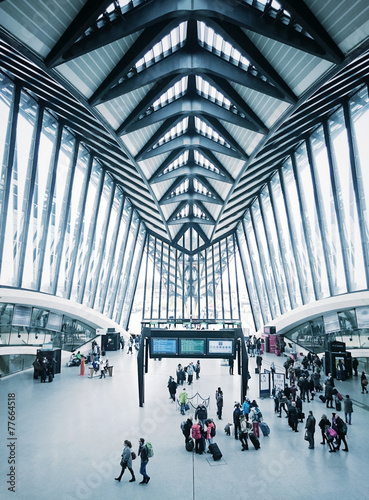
(210, 432)
(183, 400)
(341, 433)
(201, 414)
(144, 454)
(186, 428)
(256, 417)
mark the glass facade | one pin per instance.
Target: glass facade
(67, 228)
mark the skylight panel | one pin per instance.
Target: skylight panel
(177, 163)
(204, 162)
(174, 132)
(183, 213)
(197, 212)
(173, 93)
(217, 45)
(205, 130)
(172, 42)
(208, 91)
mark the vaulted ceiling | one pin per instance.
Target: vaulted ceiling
(184, 101)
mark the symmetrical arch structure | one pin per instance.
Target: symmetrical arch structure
(185, 158)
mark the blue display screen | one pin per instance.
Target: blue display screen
(164, 346)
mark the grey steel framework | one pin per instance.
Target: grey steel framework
(187, 159)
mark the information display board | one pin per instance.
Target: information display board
(219, 347)
(192, 346)
(22, 315)
(164, 346)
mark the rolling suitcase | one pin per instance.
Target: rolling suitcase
(190, 444)
(338, 405)
(264, 428)
(322, 398)
(215, 451)
(255, 441)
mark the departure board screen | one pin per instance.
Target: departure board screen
(218, 347)
(164, 346)
(192, 346)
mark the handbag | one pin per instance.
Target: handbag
(306, 437)
(364, 382)
(133, 454)
(332, 432)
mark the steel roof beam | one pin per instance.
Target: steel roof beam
(303, 15)
(198, 105)
(140, 47)
(84, 19)
(185, 62)
(244, 15)
(240, 41)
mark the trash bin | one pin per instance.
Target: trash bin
(91, 368)
(110, 370)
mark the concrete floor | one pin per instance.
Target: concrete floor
(69, 438)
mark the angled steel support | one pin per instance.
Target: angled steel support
(84, 19)
(141, 46)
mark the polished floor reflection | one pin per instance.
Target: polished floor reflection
(69, 437)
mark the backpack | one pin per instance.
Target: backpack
(258, 414)
(344, 428)
(150, 451)
(212, 431)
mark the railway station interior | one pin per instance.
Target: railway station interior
(187, 175)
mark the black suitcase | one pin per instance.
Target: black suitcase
(256, 370)
(255, 441)
(338, 405)
(215, 451)
(190, 444)
(322, 398)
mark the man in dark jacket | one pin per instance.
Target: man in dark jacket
(143, 453)
(329, 395)
(310, 429)
(293, 416)
(237, 412)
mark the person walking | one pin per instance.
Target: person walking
(310, 429)
(197, 369)
(329, 394)
(144, 454)
(364, 383)
(259, 362)
(293, 416)
(237, 412)
(172, 387)
(355, 364)
(126, 462)
(341, 433)
(219, 400)
(183, 400)
(348, 408)
(323, 424)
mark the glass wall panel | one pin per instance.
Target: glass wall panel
(124, 275)
(328, 213)
(249, 279)
(117, 260)
(89, 221)
(300, 247)
(109, 250)
(59, 208)
(99, 241)
(359, 109)
(353, 248)
(310, 216)
(275, 255)
(19, 189)
(287, 254)
(74, 227)
(266, 267)
(256, 267)
(40, 203)
(225, 279)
